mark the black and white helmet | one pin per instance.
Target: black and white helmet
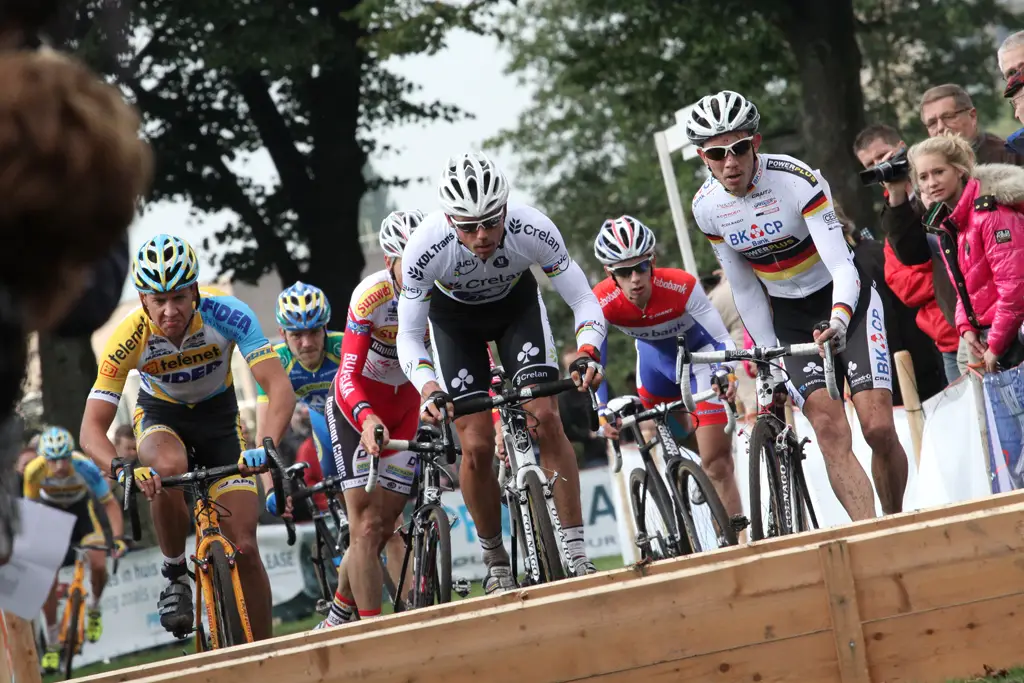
(621, 239)
(718, 114)
(472, 186)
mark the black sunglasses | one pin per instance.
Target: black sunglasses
(626, 271)
(738, 149)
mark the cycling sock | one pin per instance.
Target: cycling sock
(368, 613)
(494, 551)
(94, 603)
(342, 610)
(574, 542)
(178, 563)
(52, 635)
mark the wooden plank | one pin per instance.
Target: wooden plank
(955, 642)
(765, 663)
(677, 616)
(846, 627)
(18, 659)
(939, 563)
(606, 578)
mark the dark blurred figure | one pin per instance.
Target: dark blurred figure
(574, 408)
(910, 244)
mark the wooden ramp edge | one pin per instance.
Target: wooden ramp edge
(921, 596)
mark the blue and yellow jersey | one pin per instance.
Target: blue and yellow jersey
(42, 484)
(310, 384)
(200, 369)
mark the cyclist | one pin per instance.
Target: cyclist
(66, 480)
(771, 222)
(467, 270)
(654, 307)
(181, 339)
(311, 355)
(370, 390)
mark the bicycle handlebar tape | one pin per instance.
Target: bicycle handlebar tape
(289, 526)
(475, 404)
(276, 469)
(552, 388)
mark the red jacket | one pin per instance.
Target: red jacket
(989, 268)
(313, 474)
(914, 285)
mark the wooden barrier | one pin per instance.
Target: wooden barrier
(19, 662)
(911, 399)
(798, 590)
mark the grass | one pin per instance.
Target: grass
(285, 628)
(1015, 675)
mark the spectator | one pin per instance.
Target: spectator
(1011, 55)
(901, 224)
(983, 238)
(575, 409)
(901, 330)
(720, 293)
(949, 109)
(313, 475)
(124, 442)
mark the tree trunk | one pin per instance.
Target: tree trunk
(822, 36)
(68, 368)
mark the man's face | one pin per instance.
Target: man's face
(875, 153)
(307, 345)
(172, 311)
(480, 235)
(944, 115)
(61, 467)
(126, 449)
(735, 169)
(634, 278)
(1011, 61)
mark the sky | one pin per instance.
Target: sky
(469, 73)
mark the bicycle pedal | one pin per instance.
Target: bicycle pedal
(323, 607)
(739, 523)
(642, 540)
(461, 586)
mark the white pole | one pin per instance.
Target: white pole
(668, 172)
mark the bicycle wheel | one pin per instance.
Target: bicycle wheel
(229, 629)
(543, 531)
(432, 582)
(707, 524)
(767, 518)
(655, 520)
(74, 615)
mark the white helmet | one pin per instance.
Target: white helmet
(472, 186)
(716, 115)
(621, 239)
(396, 229)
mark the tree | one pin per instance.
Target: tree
(302, 82)
(610, 73)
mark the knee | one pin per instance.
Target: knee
(368, 528)
(880, 435)
(830, 425)
(98, 565)
(719, 466)
(477, 451)
(549, 423)
(245, 544)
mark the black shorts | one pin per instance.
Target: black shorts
(518, 324)
(865, 362)
(352, 462)
(210, 432)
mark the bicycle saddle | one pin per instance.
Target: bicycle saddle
(296, 470)
(625, 405)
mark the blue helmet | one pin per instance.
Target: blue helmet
(55, 443)
(302, 307)
(164, 264)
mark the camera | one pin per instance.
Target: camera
(896, 168)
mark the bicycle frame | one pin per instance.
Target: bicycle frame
(77, 585)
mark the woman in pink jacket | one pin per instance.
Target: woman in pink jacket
(982, 242)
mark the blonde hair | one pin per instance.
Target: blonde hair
(954, 149)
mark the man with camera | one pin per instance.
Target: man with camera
(882, 152)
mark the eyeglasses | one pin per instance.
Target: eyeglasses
(471, 227)
(946, 117)
(626, 271)
(738, 149)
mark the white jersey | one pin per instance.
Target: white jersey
(783, 233)
(435, 259)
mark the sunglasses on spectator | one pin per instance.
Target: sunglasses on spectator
(472, 226)
(738, 149)
(626, 271)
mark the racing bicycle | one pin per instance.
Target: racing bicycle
(218, 584)
(676, 511)
(780, 503)
(528, 490)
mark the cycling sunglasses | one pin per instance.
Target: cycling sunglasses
(738, 149)
(626, 271)
(471, 227)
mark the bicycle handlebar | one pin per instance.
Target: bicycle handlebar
(684, 358)
(277, 477)
(443, 445)
(479, 404)
(664, 409)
